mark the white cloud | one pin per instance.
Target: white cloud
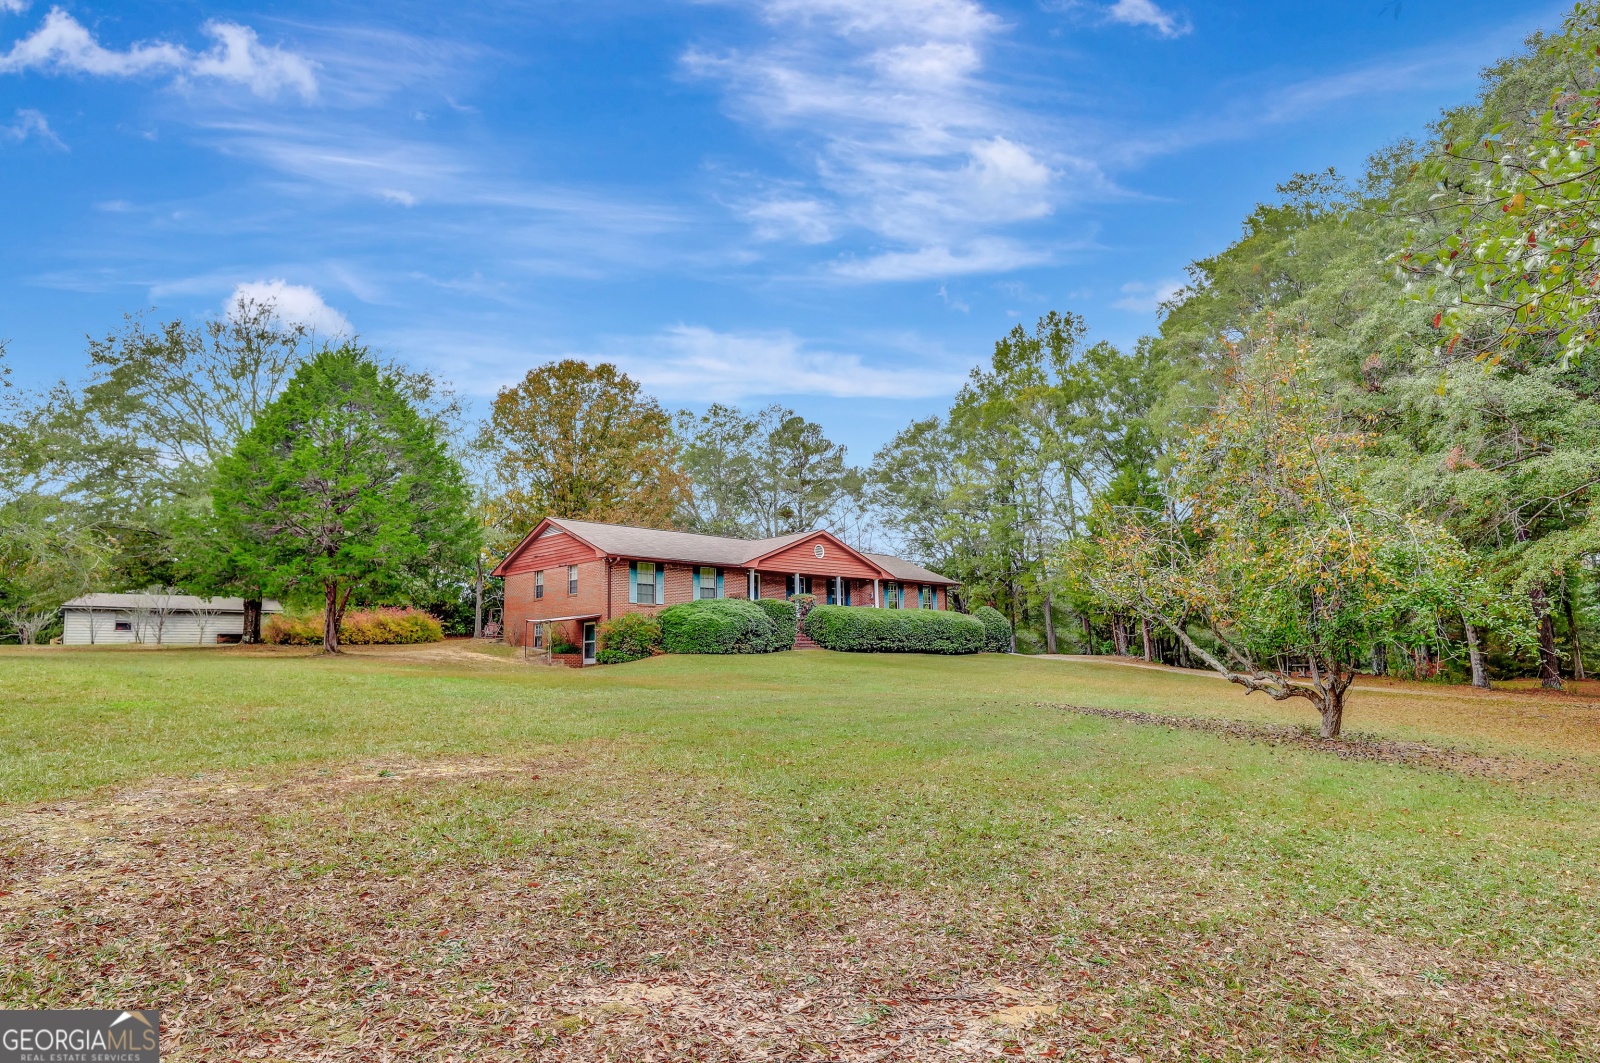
(296, 304)
(62, 45)
(697, 363)
(240, 57)
(31, 123)
(1147, 13)
(980, 256)
(15, 7)
(1144, 298)
(904, 138)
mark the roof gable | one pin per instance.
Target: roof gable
(820, 553)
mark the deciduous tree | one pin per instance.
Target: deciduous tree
(1276, 551)
(581, 441)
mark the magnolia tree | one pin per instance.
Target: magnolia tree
(1274, 567)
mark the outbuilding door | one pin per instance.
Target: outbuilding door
(588, 643)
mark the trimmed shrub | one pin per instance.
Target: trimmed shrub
(717, 625)
(864, 629)
(785, 618)
(997, 629)
(630, 637)
(359, 627)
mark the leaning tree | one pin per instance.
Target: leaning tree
(1274, 567)
(343, 486)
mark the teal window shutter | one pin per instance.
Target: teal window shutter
(719, 583)
(697, 583)
(633, 583)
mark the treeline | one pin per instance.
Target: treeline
(1365, 434)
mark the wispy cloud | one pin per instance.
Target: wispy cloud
(691, 362)
(1146, 298)
(14, 7)
(905, 138)
(1148, 13)
(986, 255)
(31, 123)
(61, 44)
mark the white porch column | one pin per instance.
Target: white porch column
(877, 595)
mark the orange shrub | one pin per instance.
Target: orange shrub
(360, 627)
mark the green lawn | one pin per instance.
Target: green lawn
(809, 855)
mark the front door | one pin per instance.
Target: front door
(588, 644)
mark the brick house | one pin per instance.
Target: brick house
(568, 576)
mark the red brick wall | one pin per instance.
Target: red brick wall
(521, 606)
(676, 580)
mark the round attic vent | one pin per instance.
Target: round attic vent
(818, 550)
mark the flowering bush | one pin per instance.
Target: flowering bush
(359, 627)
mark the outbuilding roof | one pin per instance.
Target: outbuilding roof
(170, 603)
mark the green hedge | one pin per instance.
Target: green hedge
(718, 625)
(785, 617)
(997, 629)
(864, 629)
(630, 637)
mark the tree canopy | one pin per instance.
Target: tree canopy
(583, 442)
(343, 486)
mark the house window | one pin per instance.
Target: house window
(538, 584)
(572, 579)
(799, 584)
(708, 583)
(538, 636)
(123, 625)
(646, 582)
(925, 597)
(755, 586)
(893, 596)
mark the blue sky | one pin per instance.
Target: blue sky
(835, 204)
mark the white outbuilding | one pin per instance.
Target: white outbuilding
(155, 619)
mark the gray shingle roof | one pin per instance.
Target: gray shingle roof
(172, 603)
(620, 540)
(901, 569)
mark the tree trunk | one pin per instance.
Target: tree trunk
(1332, 710)
(1049, 627)
(332, 613)
(1380, 658)
(1119, 634)
(1088, 635)
(1572, 630)
(1144, 635)
(252, 621)
(1549, 659)
(1480, 679)
(477, 606)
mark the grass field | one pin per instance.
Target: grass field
(446, 854)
